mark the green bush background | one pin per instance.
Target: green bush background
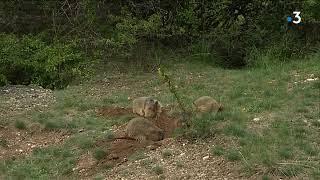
(28, 59)
(46, 42)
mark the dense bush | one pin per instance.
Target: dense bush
(224, 32)
(28, 60)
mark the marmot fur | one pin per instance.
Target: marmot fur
(146, 107)
(206, 104)
(142, 129)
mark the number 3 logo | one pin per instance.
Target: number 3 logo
(297, 17)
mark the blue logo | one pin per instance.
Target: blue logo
(289, 19)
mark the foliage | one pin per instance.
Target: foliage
(224, 32)
(28, 60)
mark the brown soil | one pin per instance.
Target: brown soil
(164, 121)
(118, 150)
(187, 161)
(17, 101)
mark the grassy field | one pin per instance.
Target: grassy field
(271, 116)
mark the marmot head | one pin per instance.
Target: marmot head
(151, 108)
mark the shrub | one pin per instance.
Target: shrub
(3, 80)
(28, 60)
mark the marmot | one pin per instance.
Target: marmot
(142, 129)
(146, 107)
(207, 104)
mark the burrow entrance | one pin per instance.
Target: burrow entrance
(119, 150)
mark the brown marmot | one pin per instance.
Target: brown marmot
(206, 104)
(142, 129)
(146, 107)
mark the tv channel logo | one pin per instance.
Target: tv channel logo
(297, 18)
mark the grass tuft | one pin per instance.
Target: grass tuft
(167, 153)
(20, 124)
(4, 143)
(138, 155)
(158, 169)
(233, 155)
(99, 154)
(218, 150)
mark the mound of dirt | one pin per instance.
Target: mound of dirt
(165, 122)
(117, 153)
(118, 150)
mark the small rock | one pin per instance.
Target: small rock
(20, 150)
(256, 119)
(33, 146)
(205, 158)
(182, 154)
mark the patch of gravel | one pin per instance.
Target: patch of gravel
(16, 99)
(186, 160)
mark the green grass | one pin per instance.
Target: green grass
(138, 155)
(44, 163)
(157, 169)
(265, 177)
(20, 124)
(84, 142)
(167, 153)
(288, 131)
(99, 153)
(233, 155)
(218, 150)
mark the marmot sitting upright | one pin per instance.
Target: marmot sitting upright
(146, 107)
